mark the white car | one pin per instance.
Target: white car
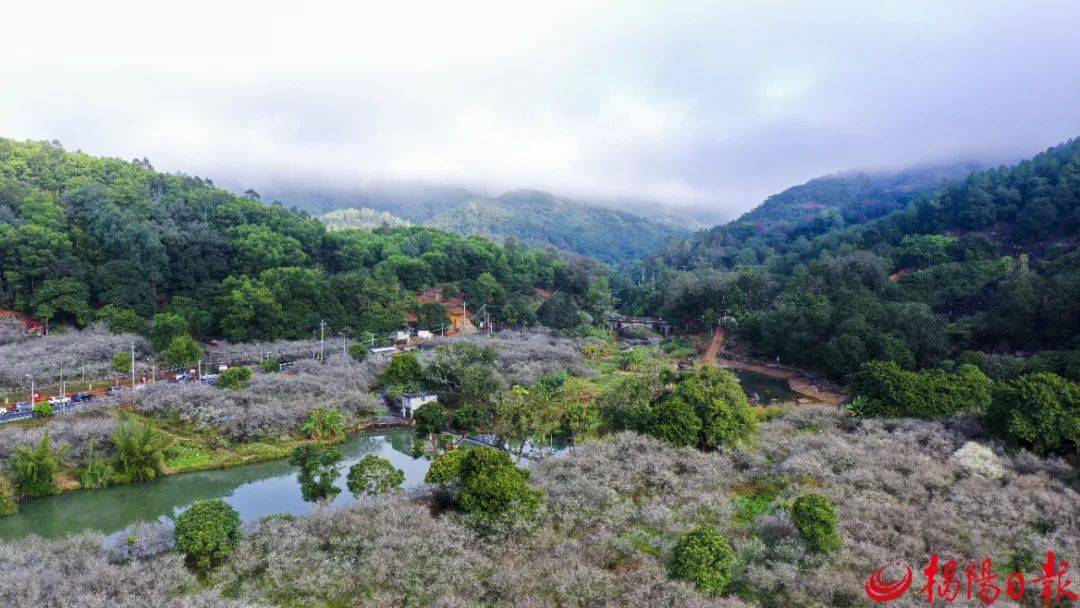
(59, 400)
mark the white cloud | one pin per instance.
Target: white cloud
(684, 102)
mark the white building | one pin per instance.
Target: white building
(382, 351)
(410, 402)
(424, 334)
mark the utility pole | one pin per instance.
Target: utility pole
(322, 340)
(133, 366)
(31, 391)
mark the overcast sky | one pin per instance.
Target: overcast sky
(718, 103)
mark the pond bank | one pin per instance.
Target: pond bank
(255, 490)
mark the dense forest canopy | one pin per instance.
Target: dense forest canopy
(85, 238)
(988, 264)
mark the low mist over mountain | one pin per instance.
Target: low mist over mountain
(610, 234)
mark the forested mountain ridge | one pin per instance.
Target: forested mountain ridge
(987, 264)
(540, 218)
(533, 217)
(85, 238)
(857, 195)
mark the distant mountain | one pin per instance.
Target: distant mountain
(608, 234)
(415, 203)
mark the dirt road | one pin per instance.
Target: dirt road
(797, 381)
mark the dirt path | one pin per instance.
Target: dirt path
(797, 381)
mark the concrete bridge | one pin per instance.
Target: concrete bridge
(654, 323)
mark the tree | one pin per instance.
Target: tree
(720, 404)
(431, 315)
(249, 311)
(43, 409)
(703, 557)
(207, 533)
(494, 492)
(814, 517)
(120, 320)
(33, 468)
(358, 352)
(121, 362)
(324, 424)
(626, 405)
(318, 470)
(576, 420)
(374, 475)
(559, 311)
(404, 372)
(165, 329)
(888, 390)
(675, 422)
(139, 452)
(62, 298)
(519, 418)
(452, 363)
(235, 377)
(1040, 411)
(430, 419)
(182, 351)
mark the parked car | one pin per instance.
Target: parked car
(112, 391)
(210, 378)
(183, 378)
(58, 400)
(81, 397)
(22, 406)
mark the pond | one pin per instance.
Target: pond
(255, 491)
(768, 389)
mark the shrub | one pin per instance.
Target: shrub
(43, 409)
(374, 475)
(96, 472)
(270, 366)
(234, 378)
(1039, 411)
(33, 468)
(703, 557)
(207, 533)
(358, 352)
(139, 452)
(8, 505)
(324, 424)
(814, 517)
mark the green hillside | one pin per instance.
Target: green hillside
(86, 239)
(986, 264)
